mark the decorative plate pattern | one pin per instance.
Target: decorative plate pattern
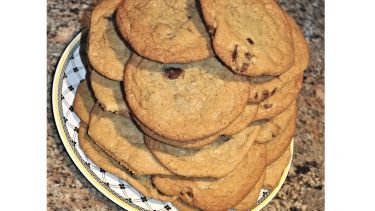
(70, 71)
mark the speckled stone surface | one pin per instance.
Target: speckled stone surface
(67, 189)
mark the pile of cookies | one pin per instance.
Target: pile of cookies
(192, 102)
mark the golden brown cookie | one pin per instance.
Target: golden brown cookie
(217, 194)
(242, 121)
(184, 102)
(252, 37)
(276, 125)
(250, 200)
(278, 145)
(120, 138)
(275, 170)
(83, 102)
(106, 51)
(215, 160)
(279, 93)
(182, 144)
(109, 93)
(263, 87)
(103, 160)
(164, 31)
(280, 101)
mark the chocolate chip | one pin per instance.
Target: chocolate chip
(266, 94)
(273, 134)
(234, 54)
(244, 67)
(256, 95)
(250, 41)
(273, 91)
(190, 194)
(248, 56)
(267, 105)
(173, 72)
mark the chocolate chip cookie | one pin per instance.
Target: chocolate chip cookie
(215, 160)
(106, 50)
(252, 37)
(184, 102)
(217, 194)
(165, 31)
(275, 94)
(121, 139)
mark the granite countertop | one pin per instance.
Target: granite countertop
(67, 189)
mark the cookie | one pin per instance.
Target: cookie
(251, 198)
(252, 37)
(215, 160)
(83, 102)
(106, 50)
(121, 139)
(167, 32)
(109, 93)
(263, 87)
(184, 102)
(217, 194)
(280, 92)
(275, 170)
(182, 144)
(103, 160)
(276, 125)
(278, 145)
(242, 121)
(279, 101)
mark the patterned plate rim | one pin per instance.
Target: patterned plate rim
(80, 165)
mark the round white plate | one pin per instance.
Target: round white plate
(70, 71)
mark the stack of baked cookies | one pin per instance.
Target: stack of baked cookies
(192, 102)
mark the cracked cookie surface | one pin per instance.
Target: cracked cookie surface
(204, 99)
(239, 124)
(165, 31)
(252, 37)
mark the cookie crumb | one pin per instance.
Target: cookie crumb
(266, 94)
